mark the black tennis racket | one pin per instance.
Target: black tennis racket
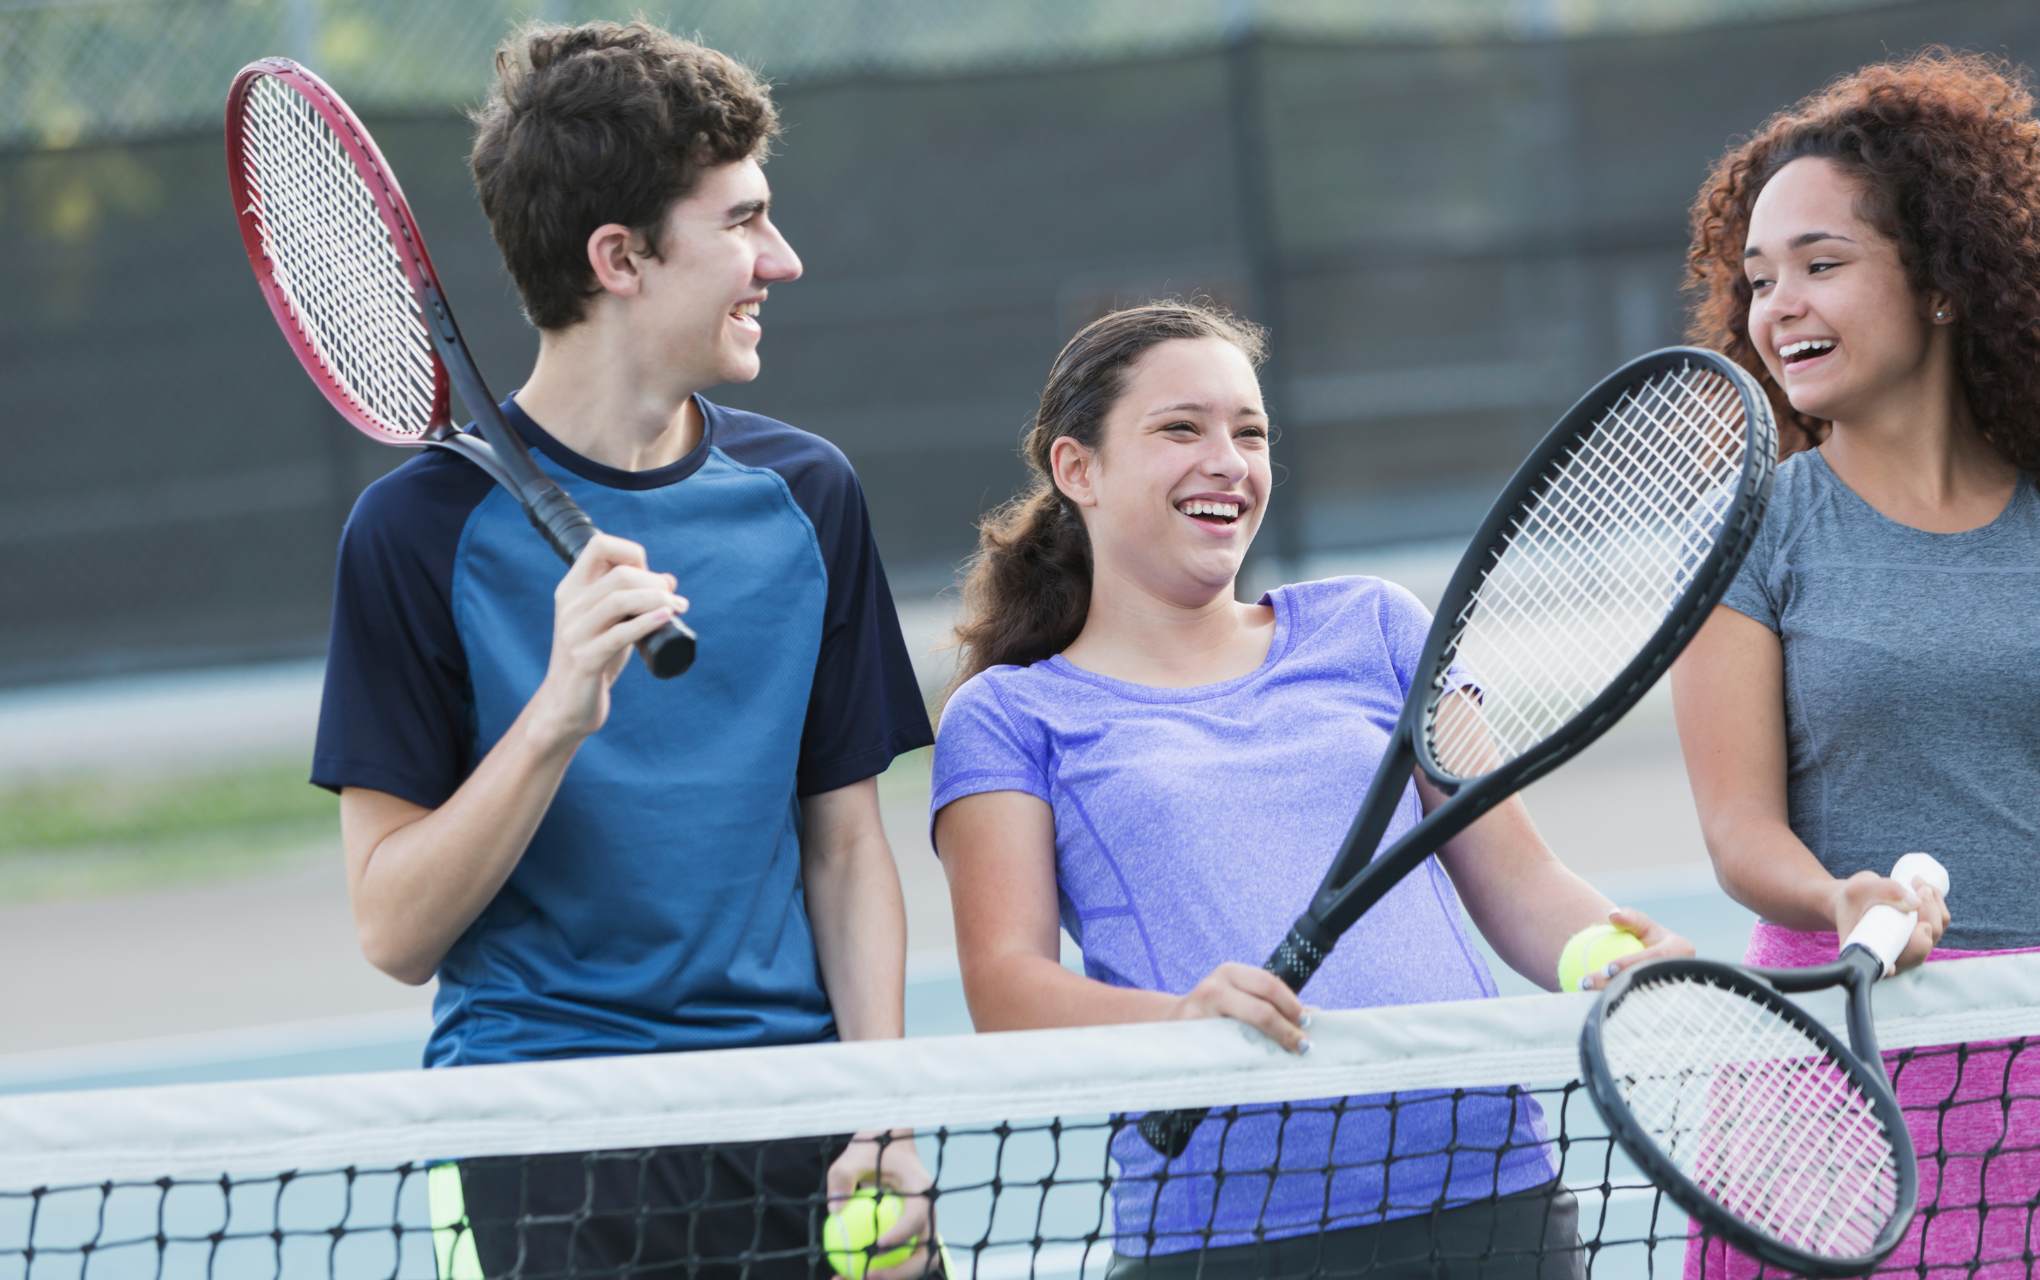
(344, 269)
(1593, 569)
(1752, 1115)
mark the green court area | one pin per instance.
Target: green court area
(117, 831)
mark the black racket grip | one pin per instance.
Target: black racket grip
(669, 650)
(1299, 956)
(666, 652)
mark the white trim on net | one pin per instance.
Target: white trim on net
(388, 1118)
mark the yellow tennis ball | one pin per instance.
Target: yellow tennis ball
(1590, 950)
(851, 1230)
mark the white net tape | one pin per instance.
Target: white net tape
(1595, 560)
(333, 261)
(1756, 1113)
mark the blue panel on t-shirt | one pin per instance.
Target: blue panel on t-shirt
(659, 905)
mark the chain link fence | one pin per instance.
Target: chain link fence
(77, 71)
(1453, 214)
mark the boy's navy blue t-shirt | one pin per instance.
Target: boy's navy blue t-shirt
(659, 904)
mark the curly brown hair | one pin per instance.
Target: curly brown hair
(604, 122)
(1947, 151)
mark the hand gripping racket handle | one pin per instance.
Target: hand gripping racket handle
(1299, 956)
(669, 650)
(1884, 929)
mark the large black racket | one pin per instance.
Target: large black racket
(344, 269)
(1607, 550)
(1753, 1116)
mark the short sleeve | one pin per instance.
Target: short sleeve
(865, 707)
(982, 747)
(395, 716)
(1405, 625)
(1752, 591)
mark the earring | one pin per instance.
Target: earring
(1941, 315)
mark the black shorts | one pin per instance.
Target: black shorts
(753, 1209)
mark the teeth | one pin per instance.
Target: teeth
(1200, 507)
(1792, 349)
(749, 309)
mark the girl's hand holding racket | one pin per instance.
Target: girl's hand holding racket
(1854, 897)
(1254, 997)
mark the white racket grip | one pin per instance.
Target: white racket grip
(1884, 929)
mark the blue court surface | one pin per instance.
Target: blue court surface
(1686, 900)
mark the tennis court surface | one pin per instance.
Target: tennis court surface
(333, 1175)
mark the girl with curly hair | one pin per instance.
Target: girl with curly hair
(1868, 687)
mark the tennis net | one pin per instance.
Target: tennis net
(1449, 1140)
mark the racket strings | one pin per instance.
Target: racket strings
(1591, 565)
(1756, 1113)
(332, 260)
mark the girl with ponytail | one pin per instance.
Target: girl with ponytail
(1163, 770)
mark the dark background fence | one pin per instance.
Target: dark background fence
(1449, 235)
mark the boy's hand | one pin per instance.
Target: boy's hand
(606, 603)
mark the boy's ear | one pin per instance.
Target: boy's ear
(614, 251)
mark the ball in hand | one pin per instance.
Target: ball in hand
(851, 1230)
(1590, 951)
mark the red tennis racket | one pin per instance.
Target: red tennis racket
(344, 269)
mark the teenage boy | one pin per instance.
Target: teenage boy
(592, 861)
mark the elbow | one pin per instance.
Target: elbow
(996, 990)
(406, 964)
(1732, 845)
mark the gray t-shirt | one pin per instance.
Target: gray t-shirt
(1912, 691)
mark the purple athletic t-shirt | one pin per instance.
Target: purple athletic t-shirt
(1192, 827)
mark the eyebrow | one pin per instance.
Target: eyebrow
(1196, 407)
(1800, 241)
(745, 209)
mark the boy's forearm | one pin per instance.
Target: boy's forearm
(424, 883)
(860, 926)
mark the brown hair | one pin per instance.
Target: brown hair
(1948, 154)
(604, 122)
(1028, 589)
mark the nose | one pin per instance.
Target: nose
(777, 262)
(1785, 301)
(1224, 459)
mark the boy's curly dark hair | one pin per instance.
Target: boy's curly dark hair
(1948, 154)
(604, 122)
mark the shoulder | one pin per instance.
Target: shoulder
(996, 733)
(1802, 479)
(802, 458)
(423, 503)
(1802, 487)
(1342, 599)
(1007, 695)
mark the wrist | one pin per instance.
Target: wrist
(549, 728)
(1833, 902)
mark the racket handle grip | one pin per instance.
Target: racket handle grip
(1168, 1132)
(1300, 955)
(668, 651)
(1884, 929)
(1294, 961)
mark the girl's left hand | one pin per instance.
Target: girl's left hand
(1659, 943)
